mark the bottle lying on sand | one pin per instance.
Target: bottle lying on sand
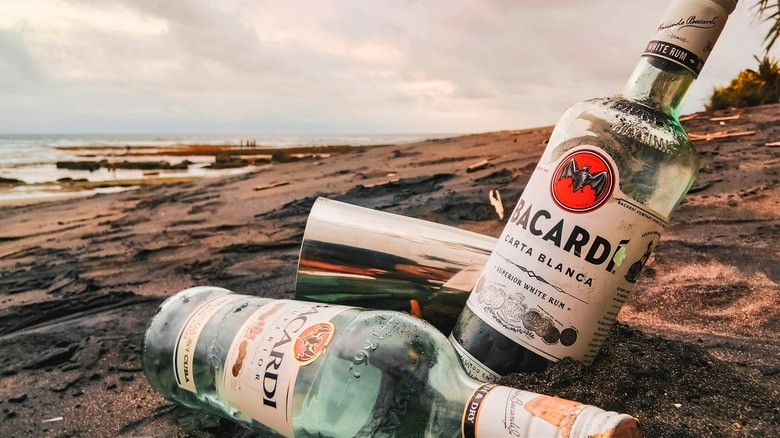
(362, 257)
(293, 368)
(593, 211)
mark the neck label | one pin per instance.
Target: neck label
(498, 411)
(687, 34)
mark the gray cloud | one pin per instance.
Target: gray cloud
(351, 66)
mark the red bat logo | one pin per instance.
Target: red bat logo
(583, 181)
(312, 342)
(582, 177)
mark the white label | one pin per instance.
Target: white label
(497, 411)
(473, 367)
(688, 33)
(567, 258)
(266, 354)
(184, 353)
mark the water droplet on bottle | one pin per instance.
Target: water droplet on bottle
(355, 374)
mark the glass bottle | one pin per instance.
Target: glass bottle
(613, 171)
(292, 368)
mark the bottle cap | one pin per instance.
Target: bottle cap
(727, 5)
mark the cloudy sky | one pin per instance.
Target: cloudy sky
(319, 66)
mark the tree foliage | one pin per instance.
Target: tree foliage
(750, 87)
(770, 11)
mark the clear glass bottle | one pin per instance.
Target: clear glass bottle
(613, 171)
(291, 368)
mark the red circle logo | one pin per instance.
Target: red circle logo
(311, 342)
(583, 181)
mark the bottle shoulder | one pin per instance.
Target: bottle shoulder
(656, 162)
(622, 126)
(380, 366)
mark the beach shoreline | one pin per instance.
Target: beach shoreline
(694, 354)
(111, 168)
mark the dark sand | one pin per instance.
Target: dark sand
(697, 353)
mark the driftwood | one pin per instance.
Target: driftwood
(478, 166)
(383, 183)
(495, 201)
(719, 119)
(270, 186)
(718, 135)
(773, 144)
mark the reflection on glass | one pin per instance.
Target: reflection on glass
(362, 257)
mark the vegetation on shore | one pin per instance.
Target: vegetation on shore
(754, 87)
(749, 88)
(770, 11)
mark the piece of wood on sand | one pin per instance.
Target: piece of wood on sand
(718, 135)
(495, 201)
(271, 185)
(724, 118)
(478, 166)
(383, 183)
(773, 144)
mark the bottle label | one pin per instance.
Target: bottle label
(567, 259)
(497, 411)
(473, 367)
(688, 33)
(266, 354)
(184, 353)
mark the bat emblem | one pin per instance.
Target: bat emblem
(578, 170)
(582, 177)
(312, 342)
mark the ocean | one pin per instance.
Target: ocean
(32, 158)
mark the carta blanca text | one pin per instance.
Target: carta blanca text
(548, 261)
(554, 231)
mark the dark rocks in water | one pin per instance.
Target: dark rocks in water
(92, 166)
(79, 165)
(284, 157)
(149, 165)
(227, 162)
(10, 181)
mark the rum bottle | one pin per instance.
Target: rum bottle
(612, 173)
(304, 369)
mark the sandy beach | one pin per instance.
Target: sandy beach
(696, 353)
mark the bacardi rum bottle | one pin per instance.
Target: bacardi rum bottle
(613, 171)
(293, 368)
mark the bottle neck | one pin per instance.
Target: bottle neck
(677, 52)
(500, 411)
(659, 84)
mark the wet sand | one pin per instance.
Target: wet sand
(696, 353)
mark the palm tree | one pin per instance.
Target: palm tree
(770, 10)
(750, 87)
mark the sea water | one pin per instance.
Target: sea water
(32, 158)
